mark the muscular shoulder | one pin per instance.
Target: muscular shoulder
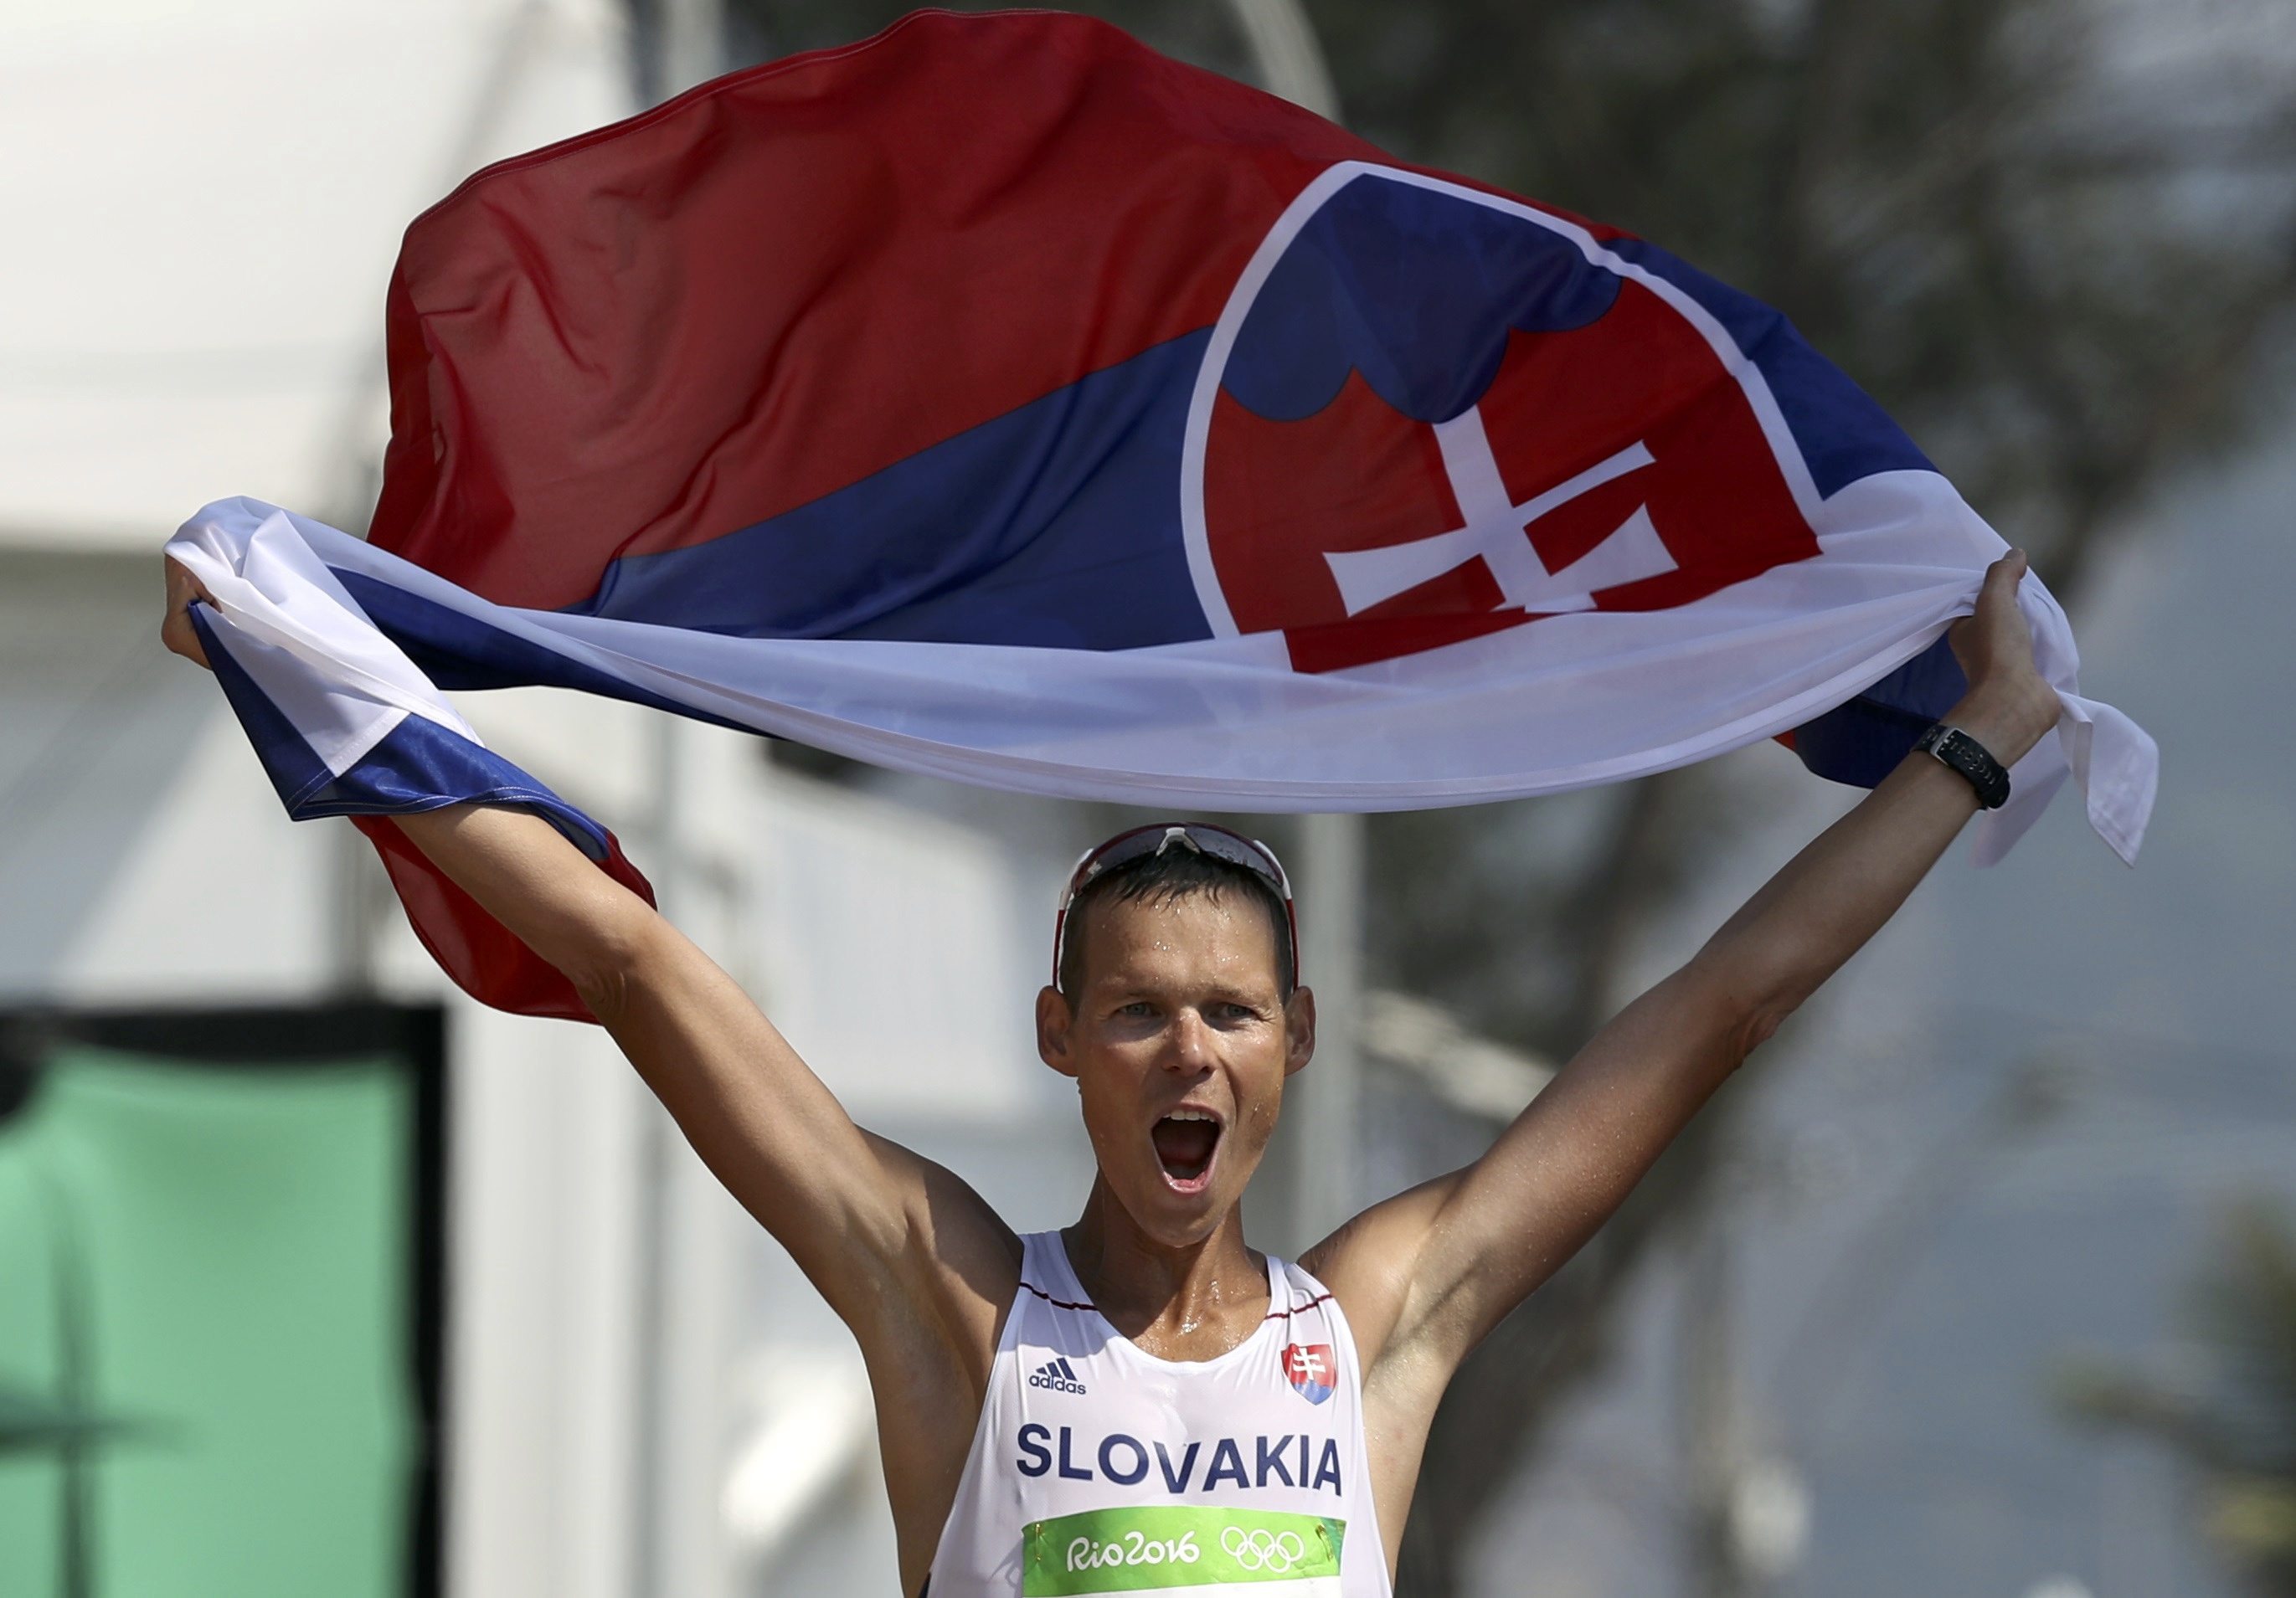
(960, 1255)
(1371, 1263)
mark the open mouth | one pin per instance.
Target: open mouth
(1185, 1141)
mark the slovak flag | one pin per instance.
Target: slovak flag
(1001, 400)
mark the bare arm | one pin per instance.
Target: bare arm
(1427, 1274)
(907, 1255)
(863, 1218)
(873, 1226)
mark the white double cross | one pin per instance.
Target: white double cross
(1495, 533)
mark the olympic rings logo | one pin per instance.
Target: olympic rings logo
(1259, 1549)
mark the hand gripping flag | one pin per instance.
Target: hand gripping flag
(1001, 400)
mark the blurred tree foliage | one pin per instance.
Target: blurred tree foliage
(2237, 1426)
(2055, 238)
(1199, 31)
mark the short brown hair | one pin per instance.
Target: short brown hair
(1160, 878)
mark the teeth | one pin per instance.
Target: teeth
(1191, 1114)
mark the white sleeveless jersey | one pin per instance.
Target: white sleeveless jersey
(1097, 1468)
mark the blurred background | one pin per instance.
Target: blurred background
(1980, 1279)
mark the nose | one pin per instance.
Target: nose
(1192, 1043)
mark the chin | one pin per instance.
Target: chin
(1180, 1212)
(1183, 1232)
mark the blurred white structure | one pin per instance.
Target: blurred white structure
(208, 199)
(644, 1395)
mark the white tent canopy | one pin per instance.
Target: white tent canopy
(205, 197)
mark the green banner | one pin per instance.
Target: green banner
(1174, 1545)
(202, 1284)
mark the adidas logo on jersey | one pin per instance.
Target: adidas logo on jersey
(1058, 1376)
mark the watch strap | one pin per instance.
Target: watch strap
(1956, 749)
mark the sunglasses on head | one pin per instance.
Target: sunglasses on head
(1217, 842)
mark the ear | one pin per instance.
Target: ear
(1299, 1029)
(1054, 1019)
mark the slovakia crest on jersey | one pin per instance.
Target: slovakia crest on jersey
(1311, 1370)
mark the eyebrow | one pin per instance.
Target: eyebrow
(1218, 994)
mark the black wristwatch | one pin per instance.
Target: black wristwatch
(1970, 759)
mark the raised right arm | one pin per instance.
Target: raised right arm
(907, 1255)
(871, 1223)
(897, 1245)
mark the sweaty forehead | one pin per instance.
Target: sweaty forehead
(1199, 935)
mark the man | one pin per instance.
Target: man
(1141, 1402)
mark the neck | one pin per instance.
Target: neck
(1177, 1300)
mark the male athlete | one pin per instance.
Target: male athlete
(1140, 1402)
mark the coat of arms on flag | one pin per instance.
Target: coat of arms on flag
(1004, 401)
(1435, 413)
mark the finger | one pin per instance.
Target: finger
(180, 635)
(1996, 598)
(183, 587)
(1962, 639)
(177, 629)
(2005, 573)
(1969, 638)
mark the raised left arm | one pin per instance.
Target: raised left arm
(1425, 1276)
